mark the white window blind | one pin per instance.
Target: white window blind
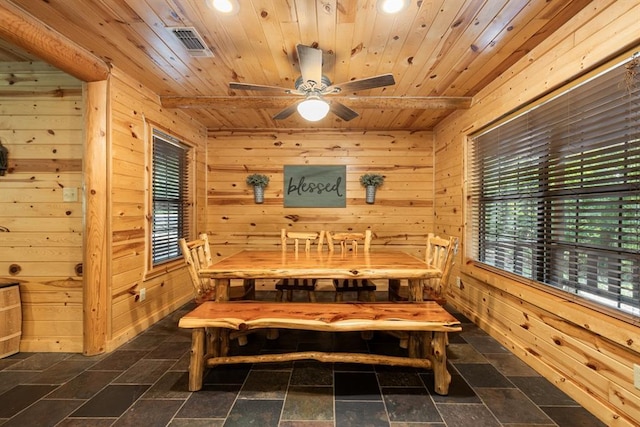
(171, 199)
(555, 192)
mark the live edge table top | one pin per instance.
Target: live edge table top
(249, 264)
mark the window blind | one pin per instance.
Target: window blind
(171, 201)
(555, 192)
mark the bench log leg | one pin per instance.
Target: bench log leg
(442, 377)
(196, 364)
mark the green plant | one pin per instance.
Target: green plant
(258, 180)
(373, 179)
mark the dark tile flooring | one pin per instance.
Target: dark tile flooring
(144, 383)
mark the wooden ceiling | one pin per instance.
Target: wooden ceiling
(440, 52)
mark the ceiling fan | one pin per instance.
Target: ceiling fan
(313, 85)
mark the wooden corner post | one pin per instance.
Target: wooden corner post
(97, 255)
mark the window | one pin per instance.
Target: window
(555, 191)
(171, 200)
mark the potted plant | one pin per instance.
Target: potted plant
(371, 181)
(258, 181)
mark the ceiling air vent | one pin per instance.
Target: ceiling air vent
(192, 41)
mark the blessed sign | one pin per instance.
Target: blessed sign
(315, 186)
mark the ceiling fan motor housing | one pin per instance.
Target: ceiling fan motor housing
(310, 86)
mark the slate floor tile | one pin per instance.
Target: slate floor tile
(309, 403)
(61, 372)
(263, 413)
(112, 401)
(85, 385)
(510, 365)
(510, 405)
(312, 373)
(119, 360)
(467, 415)
(20, 397)
(356, 386)
(571, 416)
(358, 414)
(394, 376)
(542, 392)
(410, 404)
(44, 413)
(149, 413)
(265, 385)
(145, 371)
(482, 375)
(38, 361)
(485, 344)
(172, 385)
(213, 401)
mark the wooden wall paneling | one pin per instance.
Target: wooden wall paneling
(401, 217)
(41, 117)
(583, 362)
(130, 317)
(588, 354)
(133, 109)
(52, 308)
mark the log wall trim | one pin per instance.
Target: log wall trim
(25, 31)
(97, 276)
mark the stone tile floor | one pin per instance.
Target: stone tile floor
(144, 383)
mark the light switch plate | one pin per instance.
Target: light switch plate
(70, 194)
(636, 376)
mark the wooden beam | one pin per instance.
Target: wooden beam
(97, 277)
(359, 102)
(25, 31)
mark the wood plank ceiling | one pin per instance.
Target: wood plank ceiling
(440, 52)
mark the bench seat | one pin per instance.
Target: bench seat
(427, 323)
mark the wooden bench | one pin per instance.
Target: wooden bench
(427, 322)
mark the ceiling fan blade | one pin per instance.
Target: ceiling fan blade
(310, 63)
(249, 86)
(362, 84)
(342, 111)
(286, 112)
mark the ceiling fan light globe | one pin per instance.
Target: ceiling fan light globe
(313, 109)
(392, 6)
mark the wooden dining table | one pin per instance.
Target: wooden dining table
(277, 264)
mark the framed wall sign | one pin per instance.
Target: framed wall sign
(315, 186)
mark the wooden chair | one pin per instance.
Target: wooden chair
(197, 254)
(350, 242)
(439, 253)
(296, 240)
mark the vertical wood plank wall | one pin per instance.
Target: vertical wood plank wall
(400, 218)
(40, 233)
(133, 108)
(585, 353)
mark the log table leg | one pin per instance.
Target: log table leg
(196, 364)
(439, 362)
(222, 289)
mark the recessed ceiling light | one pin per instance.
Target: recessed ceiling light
(226, 7)
(392, 6)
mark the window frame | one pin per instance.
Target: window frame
(154, 131)
(536, 280)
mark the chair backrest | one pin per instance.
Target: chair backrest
(300, 237)
(349, 240)
(440, 253)
(197, 254)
